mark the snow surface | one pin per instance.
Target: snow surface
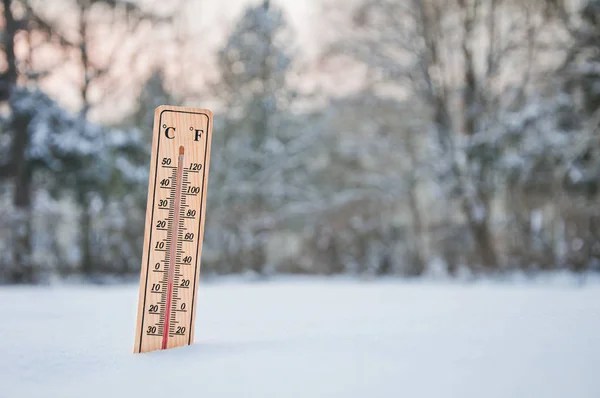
(310, 338)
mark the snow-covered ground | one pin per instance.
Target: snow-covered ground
(310, 338)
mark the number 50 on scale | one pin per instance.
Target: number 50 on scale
(174, 228)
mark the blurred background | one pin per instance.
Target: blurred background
(363, 137)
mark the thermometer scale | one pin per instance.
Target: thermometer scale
(174, 228)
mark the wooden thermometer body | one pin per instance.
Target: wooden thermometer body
(174, 228)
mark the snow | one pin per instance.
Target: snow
(311, 338)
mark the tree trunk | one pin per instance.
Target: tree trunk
(85, 223)
(9, 78)
(85, 62)
(24, 271)
(477, 221)
(417, 220)
(419, 253)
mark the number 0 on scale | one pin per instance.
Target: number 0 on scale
(174, 228)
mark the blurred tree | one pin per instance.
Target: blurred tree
(369, 186)
(124, 13)
(254, 65)
(57, 143)
(85, 176)
(15, 165)
(580, 170)
(459, 58)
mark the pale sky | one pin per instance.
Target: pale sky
(207, 22)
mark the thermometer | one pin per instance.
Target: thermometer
(174, 228)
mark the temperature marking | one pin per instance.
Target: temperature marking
(172, 248)
(174, 228)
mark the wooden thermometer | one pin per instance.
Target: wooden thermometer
(174, 228)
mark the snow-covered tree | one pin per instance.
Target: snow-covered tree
(417, 46)
(66, 157)
(56, 144)
(253, 140)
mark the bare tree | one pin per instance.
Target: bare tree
(458, 56)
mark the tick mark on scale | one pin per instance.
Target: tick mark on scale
(173, 248)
